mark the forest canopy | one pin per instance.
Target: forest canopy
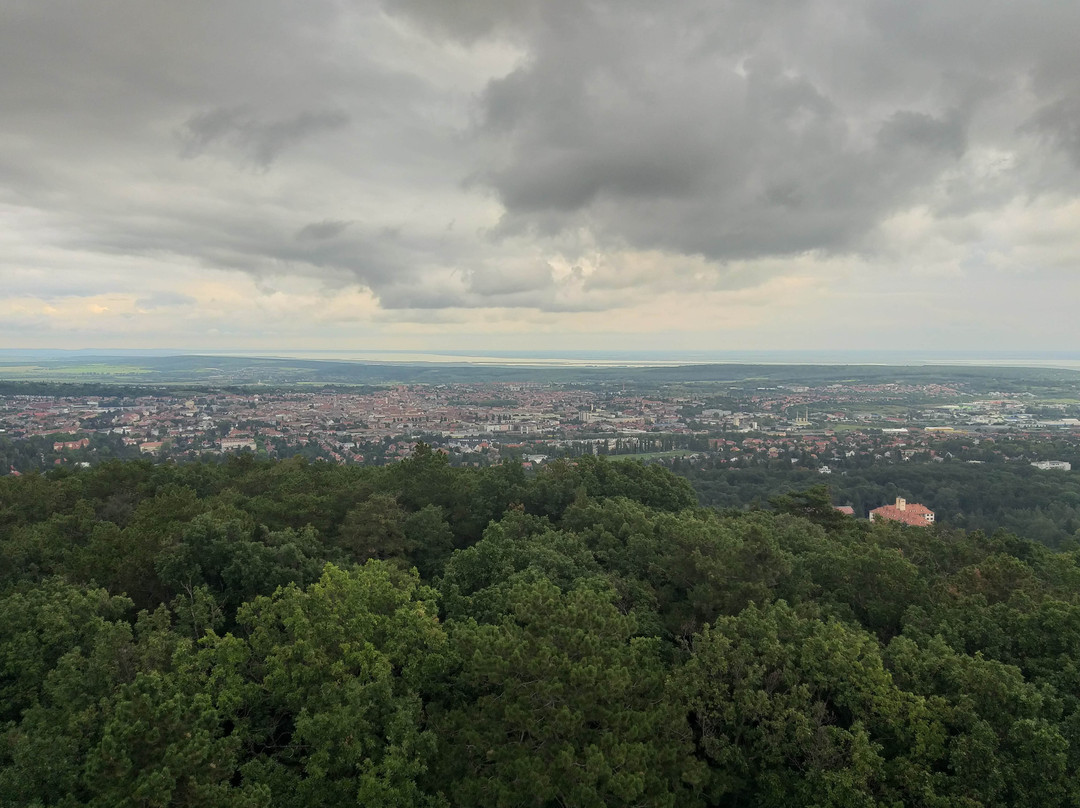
(288, 633)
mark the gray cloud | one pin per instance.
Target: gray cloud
(493, 281)
(740, 129)
(467, 21)
(1059, 123)
(709, 135)
(164, 300)
(697, 152)
(256, 142)
(923, 134)
(319, 231)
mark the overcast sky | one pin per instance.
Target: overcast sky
(540, 174)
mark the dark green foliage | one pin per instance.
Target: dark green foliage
(563, 481)
(1040, 506)
(478, 581)
(560, 703)
(796, 710)
(290, 634)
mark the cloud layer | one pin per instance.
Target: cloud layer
(540, 172)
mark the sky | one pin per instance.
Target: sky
(540, 175)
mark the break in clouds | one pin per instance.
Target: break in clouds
(548, 155)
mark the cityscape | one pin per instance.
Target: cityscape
(826, 428)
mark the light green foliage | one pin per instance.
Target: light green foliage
(327, 688)
(40, 626)
(81, 654)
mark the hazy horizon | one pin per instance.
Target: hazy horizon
(554, 358)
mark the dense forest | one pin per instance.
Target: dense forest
(1043, 506)
(256, 633)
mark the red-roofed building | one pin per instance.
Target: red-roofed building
(845, 509)
(59, 446)
(910, 513)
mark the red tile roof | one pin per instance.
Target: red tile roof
(910, 513)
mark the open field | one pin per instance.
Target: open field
(1050, 401)
(1046, 384)
(91, 371)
